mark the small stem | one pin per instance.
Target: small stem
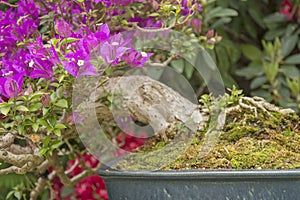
(8, 4)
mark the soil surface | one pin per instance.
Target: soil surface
(249, 140)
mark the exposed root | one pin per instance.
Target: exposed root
(255, 103)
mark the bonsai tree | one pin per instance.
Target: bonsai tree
(68, 67)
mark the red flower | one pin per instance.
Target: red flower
(287, 9)
(129, 142)
(93, 187)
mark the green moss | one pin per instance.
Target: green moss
(246, 142)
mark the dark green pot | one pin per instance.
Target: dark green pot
(210, 185)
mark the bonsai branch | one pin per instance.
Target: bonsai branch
(25, 162)
(7, 140)
(255, 103)
(18, 170)
(165, 63)
(148, 101)
(63, 174)
(41, 184)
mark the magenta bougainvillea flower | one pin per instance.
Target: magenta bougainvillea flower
(112, 50)
(117, 2)
(136, 59)
(10, 87)
(79, 64)
(186, 4)
(63, 28)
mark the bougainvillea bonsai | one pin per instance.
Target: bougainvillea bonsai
(46, 46)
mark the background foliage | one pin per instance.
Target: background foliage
(260, 50)
(254, 43)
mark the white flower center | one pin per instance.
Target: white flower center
(8, 73)
(144, 54)
(31, 63)
(115, 43)
(69, 46)
(80, 62)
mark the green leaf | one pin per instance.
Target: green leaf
(62, 103)
(262, 93)
(35, 127)
(52, 121)
(43, 122)
(45, 111)
(60, 92)
(250, 27)
(249, 72)
(56, 144)
(3, 104)
(220, 12)
(271, 70)
(42, 151)
(221, 21)
(9, 195)
(294, 59)
(46, 141)
(22, 98)
(61, 77)
(36, 95)
(251, 52)
(35, 106)
(57, 132)
(5, 110)
(18, 194)
(275, 18)
(28, 122)
(55, 84)
(288, 45)
(178, 65)
(294, 86)
(258, 82)
(290, 29)
(188, 70)
(68, 40)
(272, 34)
(21, 129)
(22, 108)
(60, 126)
(290, 71)
(129, 11)
(257, 16)
(53, 41)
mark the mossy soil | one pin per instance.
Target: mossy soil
(246, 142)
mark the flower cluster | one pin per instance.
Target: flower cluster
(118, 2)
(288, 10)
(93, 187)
(46, 45)
(25, 54)
(186, 6)
(16, 27)
(129, 142)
